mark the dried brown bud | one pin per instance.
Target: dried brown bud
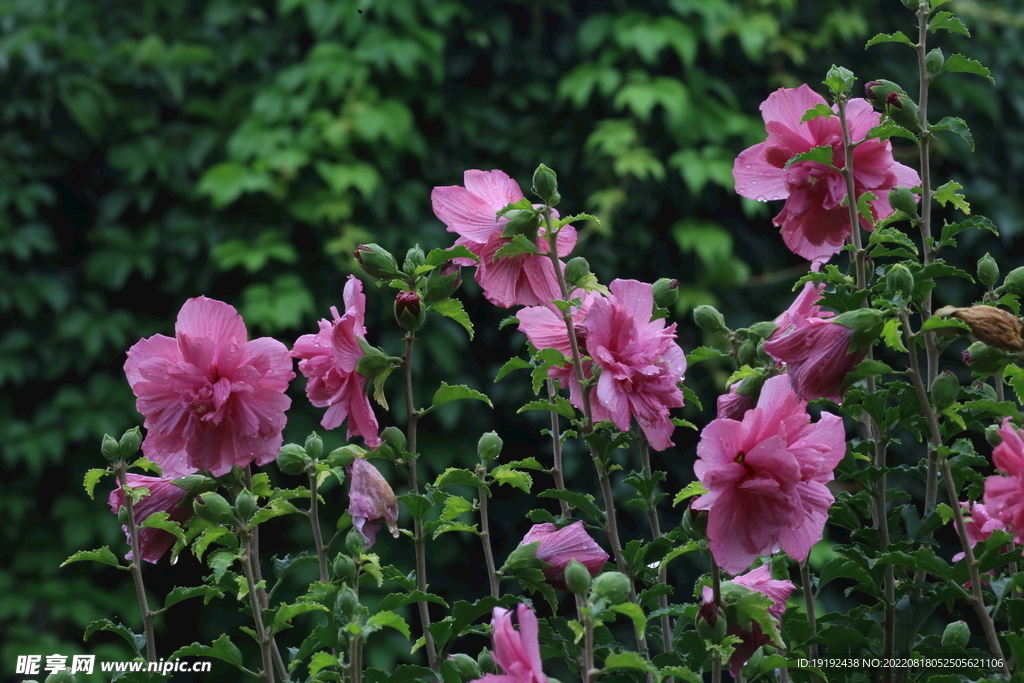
(993, 326)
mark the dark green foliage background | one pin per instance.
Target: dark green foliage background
(158, 150)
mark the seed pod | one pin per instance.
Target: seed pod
(414, 258)
(1014, 282)
(666, 291)
(394, 438)
(409, 310)
(469, 670)
(576, 272)
(342, 457)
(747, 353)
(763, 329)
(213, 508)
(903, 200)
(985, 359)
(348, 602)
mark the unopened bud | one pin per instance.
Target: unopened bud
(110, 448)
(934, 61)
(545, 182)
(695, 523)
(414, 258)
(394, 438)
(376, 261)
(945, 390)
(293, 459)
(985, 359)
(708, 319)
(747, 353)
(373, 362)
(613, 587)
(956, 636)
(442, 282)
(130, 442)
(911, 4)
(524, 222)
(354, 542)
(213, 508)
(347, 602)
(469, 670)
(762, 330)
(342, 457)
(409, 310)
(710, 623)
(122, 515)
(64, 676)
(992, 436)
(245, 504)
(489, 446)
(666, 291)
(314, 446)
(576, 272)
(577, 578)
(988, 270)
(900, 281)
(904, 201)
(876, 92)
(486, 662)
(1014, 282)
(866, 323)
(903, 111)
(344, 568)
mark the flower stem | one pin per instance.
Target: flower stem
(589, 672)
(485, 533)
(314, 520)
(266, 650)
(812, 619)
(412, 416)
(120, 471)
(652, 513)
(556, 448)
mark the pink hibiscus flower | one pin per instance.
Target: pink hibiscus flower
(524, 280)
(1004, 495)
(370, 500)
(759, 580)
(733, 404)
(163, 496)
(559, 546)
(516, 652)
(813, 347)
(765, 477)
(545, 328)
(329, 360)
(814, 223)
(211, 399)
(979, 525)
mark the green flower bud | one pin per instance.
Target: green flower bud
(469, 670)
(900, 281)
(342, 457)
(945, 390)
(577, 578)
(708, 319)
(992, 436)
(354, 542)
(394, 438)
(695, 523)
(666, 291)
(988, 270)
(410, 311)
(762, 330)
(576, 272)
(442, 282)
(866, 323)
(876, 91)
(245, 504)
(1014, 282)
(524, 222)
(348, 602)
(710, 623)
(213, 508)
(911, 4)
(122, 515)
(486, 662)
(344, 568)
(110, 448)
(195, 483)
(414, 258)
(64, 676)
(373, 362)
(376, 261)
(613, 587)
(489, 446)
(293, 459)
(130, 442)
(903, 111)
(545, 182)
(314, 446)
(985, 359)
(747, 353)
(956, 636)
(903, 200)
(934, 61)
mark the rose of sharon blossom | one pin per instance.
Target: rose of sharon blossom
(759, 580)
(211, 398)
(1004, 495)
(979, 525)
(329, 360)
(370, 500)
(734, 404)
(163, 496)
(545, 328)
(524, 280)
(813, 347)
(559, 546)
(765, 477)
(814, 222)
(516, 652)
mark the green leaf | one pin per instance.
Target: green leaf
(937, 323)
(452, 308)
(956, 125)
(505, 475)
(959, 63)
(220, 561)
(821, 154)
(222, 649)
(951, 230)
(817, 111)
(947, 194)
(103, 555)
(447, 394)
(946, 21)
(702, 353)
(208, 536)
(511, 365)
(394, 600)
(892, 335)
(438, 256)
(390, 619)
(275, 508)
(945, 512)
(417, 503)
(92, 477)
(839, 80)
(518, 245)
(562, 407)
(285, 613)
(159, 520)
(1015, 376)
(137, 641)
(454, 476)
(184, 593)
(897, 37)
(694, 488)
(581, 501)
(634, 612)
(321, 660)
(867, 368)
(889, 129)
(628, 660)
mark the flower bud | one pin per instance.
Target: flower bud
(354, 542)
(866, 323)
(442, 282)
(524, 222)
(613, 587)
(348, 602)
(292, 459)
(469, 670)
(374, 361)
(903, 111)
(708, 319)
(911, 4)
(876, 91)
(376, 261)
(122, 515)
(545, 182)
(666, 291)
(747, 353)
(710, 623)
(394, 438)
(1014, 282)
(577, 578)
(956, 636)
(314, 446)
(904, 201)
(130, 442)
(900, 281)
(213, 508)
(63, 676)
(245, 504)
(762, 330)
(409, 310)
(576, 272)
(486, 662)
(992, 436)
(988, 270)
(934, 61)
(342, 457)
(985, 359)
(489, 446)
(344, 568)
(110, 448)
(414, 258)
(945, 390)
(695, 523)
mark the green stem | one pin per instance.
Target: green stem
(121, 472)
(556, 448)
(652, 514)
(314, 520)
(485, 533)
(589, 672)
(266, 650)
(812, 619)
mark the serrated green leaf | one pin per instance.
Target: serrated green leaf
(452, 308)
(817, 111)
(137, 641)
(628, 660)
(634, 612)
(579, 217)
(208, 536)
(439, 527)
(276, 508)
(937, 323)
(447, 393)
(562, 407)
(528, 463)
(1015, 376)
(512, 365)
(103, 555)
(581, 501)
(92, 477)
(946, 21)
(261, 487)
(394, 600)
(702, 353)
(220, 561)
(889, 129)
(519, 245)
(454, 476)
(945, 512)
(951, 230)
(222, 649)
(821, 154)
(956, 125)
(961, 64)
(892, 335)
(285, 613)
(947, 194)
(455, 506)
(438, 256)
(511, 477)
(694, 488)
(184, 593)
(417, 503)
(867, 368)
(391, 620)
(159, 520)
(897, 37)
(321, 660)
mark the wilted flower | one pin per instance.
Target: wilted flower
(516, 652)
(559, 546)
(370, 500)
(211, 398)
(329, 360)
(766, 476)
(163, 496)
(470, 211)
(815, 223)
(993, 326)
(1004, 495)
